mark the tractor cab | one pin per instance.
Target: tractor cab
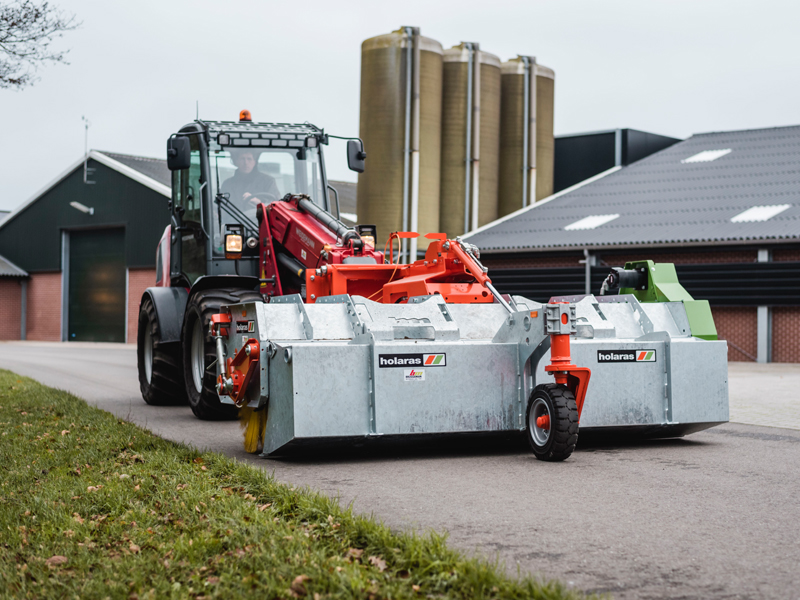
(221, 172)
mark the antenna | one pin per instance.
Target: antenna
(86, 170)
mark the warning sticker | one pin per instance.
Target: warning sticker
(414, 375)
(611, 356)
(245, 326)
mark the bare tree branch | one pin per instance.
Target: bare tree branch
(27, 29)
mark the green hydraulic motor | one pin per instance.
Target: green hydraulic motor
(651, 282)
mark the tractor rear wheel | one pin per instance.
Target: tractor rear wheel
(160, 369)
(199, 351)
(552, 422)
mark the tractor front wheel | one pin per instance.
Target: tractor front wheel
(552, 422)
(160, 369)
(199, 351)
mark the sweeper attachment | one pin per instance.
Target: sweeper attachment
(349, 367)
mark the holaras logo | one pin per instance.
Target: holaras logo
(245, 326)
(411, 360)
(414, 375)
(608, 356)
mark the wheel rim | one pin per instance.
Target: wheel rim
(198, 356)
(539, 435)
(148, 355)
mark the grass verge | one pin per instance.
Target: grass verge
(92, 507)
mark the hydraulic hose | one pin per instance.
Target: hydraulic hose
(329, 221)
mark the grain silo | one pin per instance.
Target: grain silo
(401, 110)
(526, 133)
(470, 138)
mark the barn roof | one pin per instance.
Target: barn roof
(9, 269)
(722, 187)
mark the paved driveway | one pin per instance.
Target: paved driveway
(713, 515)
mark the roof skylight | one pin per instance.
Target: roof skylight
(706, 156)
(591, 222)
(760, 213)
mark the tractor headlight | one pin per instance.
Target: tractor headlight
(233, 246)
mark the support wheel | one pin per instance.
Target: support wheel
(199, 351)
(552, 420)
(160, 369)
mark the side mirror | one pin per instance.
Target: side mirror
(179, 153)
(356, 155)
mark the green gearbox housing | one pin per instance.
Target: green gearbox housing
(663, 286)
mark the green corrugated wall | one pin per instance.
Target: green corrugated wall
(32, 239)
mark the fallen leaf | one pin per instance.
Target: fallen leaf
(212, 580)
(263, 507)
(55, 560)
(69, 533)
(377, 561)
(415, 587)
(78, 518)
(198, 461)
(354, 553)
(183, 486)
(137, 487)
(203, 468)
(93, 488)
(298, 586)
(64, 431)
(249, 497)
(134, 548)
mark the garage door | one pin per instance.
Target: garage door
(97, 283)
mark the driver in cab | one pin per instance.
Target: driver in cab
(249, 187)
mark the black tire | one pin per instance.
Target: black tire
(201, 390)
(160, 368)
(558, 403)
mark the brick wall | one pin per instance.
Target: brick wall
(138, 281)
(786, 254)
(44, 307)
(531, 262)
(786, 334)
(738, 325)
(692, 257)
(10, 305)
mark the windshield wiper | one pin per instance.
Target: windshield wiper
(234, 211)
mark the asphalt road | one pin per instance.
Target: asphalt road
(713, 515)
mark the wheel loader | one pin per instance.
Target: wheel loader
(268, 307)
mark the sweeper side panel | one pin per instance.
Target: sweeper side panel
(650, 376)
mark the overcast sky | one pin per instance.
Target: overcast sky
(136, 69)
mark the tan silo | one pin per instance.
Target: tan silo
(470, 138)
(545, 140)
(521, 181)
(401, 108)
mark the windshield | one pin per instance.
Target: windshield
(248, 177)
